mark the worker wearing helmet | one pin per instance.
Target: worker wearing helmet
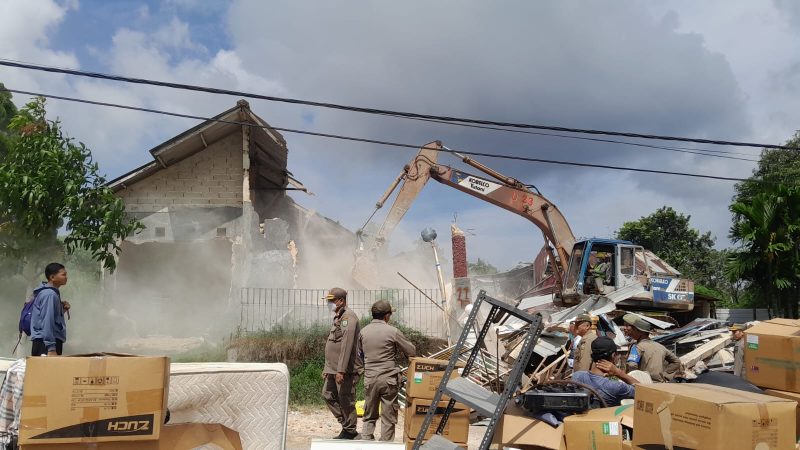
(600, 270)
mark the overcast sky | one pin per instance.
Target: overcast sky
(727, 69)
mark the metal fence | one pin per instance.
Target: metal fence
(742, 315)
(265, 308)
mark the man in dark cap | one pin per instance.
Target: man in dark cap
(612, 391)
(647, 355)
(583, 328)
(737, 335)
(340, 373)
(380, 344)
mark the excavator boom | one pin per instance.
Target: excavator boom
(509, 194)
(523, 202)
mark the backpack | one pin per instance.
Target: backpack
(25, 318)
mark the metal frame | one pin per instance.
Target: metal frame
(512, 384)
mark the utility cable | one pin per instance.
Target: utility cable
(189, 87)
(385, 143)
(696, 151)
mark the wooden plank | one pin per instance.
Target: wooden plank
(704, 351)
(702, 336)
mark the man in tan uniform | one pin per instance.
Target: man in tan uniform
(737, 334)
(649, 356)
(380, 344)
(583, 353)
(340, 373)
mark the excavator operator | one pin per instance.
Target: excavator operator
(600, 270)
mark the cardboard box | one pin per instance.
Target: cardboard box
(702, 416)
(789, 396)
(606, 428)
(772, 354)
(456, 429)
(93, 398)
(424, 376)
(184, 436)
(515, 429)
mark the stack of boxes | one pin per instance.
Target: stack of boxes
(772, 359)
(703, 416)
(106, 402)
(693, 415)
(424, 376)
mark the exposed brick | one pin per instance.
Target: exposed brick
(221, 201)
(459, 244)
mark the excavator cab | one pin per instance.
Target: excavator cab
(602, 266)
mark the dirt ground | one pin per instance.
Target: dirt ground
(307, 423)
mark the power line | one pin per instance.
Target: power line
(189, 87)
(689, 150)
(610, 141)
(379, 142)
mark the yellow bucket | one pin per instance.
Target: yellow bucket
(360, 408)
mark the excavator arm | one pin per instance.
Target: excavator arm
(508, 193)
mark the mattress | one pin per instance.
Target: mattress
(251, 398)
(5, 363)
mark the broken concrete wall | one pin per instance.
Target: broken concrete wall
(182, 260)
(325, 249)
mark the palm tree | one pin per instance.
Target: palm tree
(768, 232)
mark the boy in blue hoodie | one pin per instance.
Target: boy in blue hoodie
(48, 328)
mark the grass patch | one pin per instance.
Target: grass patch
(204, 353)
(305, 384)
(303, 351)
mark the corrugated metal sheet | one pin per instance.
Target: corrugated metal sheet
(657, 265)
(741, 315)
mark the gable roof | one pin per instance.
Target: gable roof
(269, 147)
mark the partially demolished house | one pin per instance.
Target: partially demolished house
(218, 218)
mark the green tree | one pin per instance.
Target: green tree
(7, 111)
(732, 292)
(775, 166)
(765, 224)
(481, 267)
(48, 181)
(767, 228)
(667, 234)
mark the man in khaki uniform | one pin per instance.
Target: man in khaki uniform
(737, 334)
(380, 344)
(583, 353)
(340, 373)
(649, 356)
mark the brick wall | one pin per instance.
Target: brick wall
(212, 177)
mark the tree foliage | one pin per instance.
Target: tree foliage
(668, 234)
(481, 267)
(767, 229)
(775, 166)
(7, 111)
(48, 181)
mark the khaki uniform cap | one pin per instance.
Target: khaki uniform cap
(637, 322)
